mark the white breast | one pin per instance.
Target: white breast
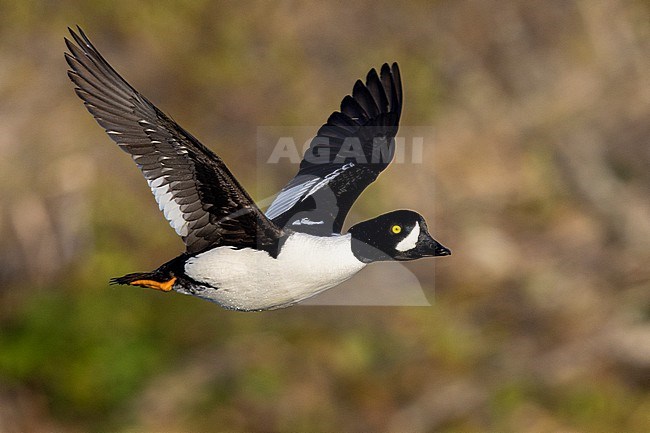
(248, 279)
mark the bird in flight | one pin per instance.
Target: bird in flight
(236, 255)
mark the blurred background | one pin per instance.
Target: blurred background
(537, 178)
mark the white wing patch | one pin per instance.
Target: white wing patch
(287, 199)
(306, 221)
(172, 210)
(329, 177)
(409, 242)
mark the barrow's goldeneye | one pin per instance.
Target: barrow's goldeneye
(236, 255)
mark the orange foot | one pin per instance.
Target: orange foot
(165, 286)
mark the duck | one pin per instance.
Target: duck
(236, 255)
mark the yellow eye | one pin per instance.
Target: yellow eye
(396, 229)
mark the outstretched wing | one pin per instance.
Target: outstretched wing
(347, 154)
(198, 195)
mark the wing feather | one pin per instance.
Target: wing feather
(325, 188)
(194, 189)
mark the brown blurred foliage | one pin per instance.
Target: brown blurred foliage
(538, 179)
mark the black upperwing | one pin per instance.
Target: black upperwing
(198, 195)
(347, 154)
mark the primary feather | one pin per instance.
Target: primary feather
(198, 195)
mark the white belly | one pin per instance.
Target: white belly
(249, 279)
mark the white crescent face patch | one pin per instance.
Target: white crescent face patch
(409, 242)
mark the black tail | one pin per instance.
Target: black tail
(162, 278)
(152, 280)
(129, 279)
